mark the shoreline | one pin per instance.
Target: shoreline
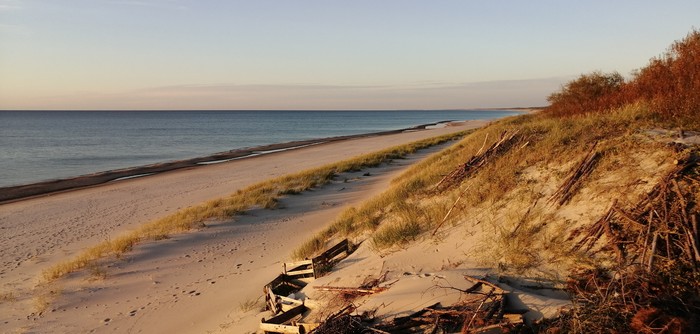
(21, 192)
(43, 231)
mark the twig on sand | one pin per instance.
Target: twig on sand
(454, 205)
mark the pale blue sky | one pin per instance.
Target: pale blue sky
(354, 54)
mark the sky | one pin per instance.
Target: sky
(324, 54)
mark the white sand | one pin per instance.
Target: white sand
(192, 283)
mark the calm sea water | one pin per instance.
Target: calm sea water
(43, 145)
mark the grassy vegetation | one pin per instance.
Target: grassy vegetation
(595, 108)
(261, 195)
(43, 298)
(669, 84)
(411, 206)
(395, 200)
(251, 304)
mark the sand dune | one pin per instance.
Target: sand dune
(193, 282)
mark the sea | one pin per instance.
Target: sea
(46, 145)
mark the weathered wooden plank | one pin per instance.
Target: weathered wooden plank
(308, 327)
(495, 289)
(323, 260)
(300, 272)
(283, 281)
(286, 316)
(275, 328)
(350, 289)
(297, 263)
(287, 303)
(271, 300)
(334, 251)
(298, 268)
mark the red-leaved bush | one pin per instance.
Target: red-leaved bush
(670, 84)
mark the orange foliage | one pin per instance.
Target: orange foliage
(670, 83)
(589, 93)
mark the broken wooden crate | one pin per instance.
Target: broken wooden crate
(276, 291)
(287, 311)
(319, 264)
(286, 322)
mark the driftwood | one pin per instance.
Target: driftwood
(483, 308)
(654, 287)
(487, 313)
(282, 323)
(454, 205)
(342, 322)
(351, 291)
(522, 220)
(662, 225)
(477, 161)
(564, 193)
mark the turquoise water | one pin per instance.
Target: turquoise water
(43, 145)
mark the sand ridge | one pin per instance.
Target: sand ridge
(41, 231)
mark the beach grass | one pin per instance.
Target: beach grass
(250, 304)
(498, 201)
(262, 195)
(411, 206)
(44, 297)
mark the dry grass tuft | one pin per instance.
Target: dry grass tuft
(45, 298)
(97, 272)
(251, 305)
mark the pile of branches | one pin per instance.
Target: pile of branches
(483, 308)
(460, 173)
(342, 322)
(630, 300)
(663, 226)
(656, 285)
(583, 169)
(469, 317)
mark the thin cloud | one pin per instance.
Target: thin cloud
(163, 4)
(222, 88)
(9, 5)
(423, 95)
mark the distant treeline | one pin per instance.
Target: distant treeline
(669, 84)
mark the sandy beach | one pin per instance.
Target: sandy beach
(192, 283)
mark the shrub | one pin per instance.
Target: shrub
(670, 84)
(589, 93)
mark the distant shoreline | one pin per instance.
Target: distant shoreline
(43, 188)
(529, 110)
